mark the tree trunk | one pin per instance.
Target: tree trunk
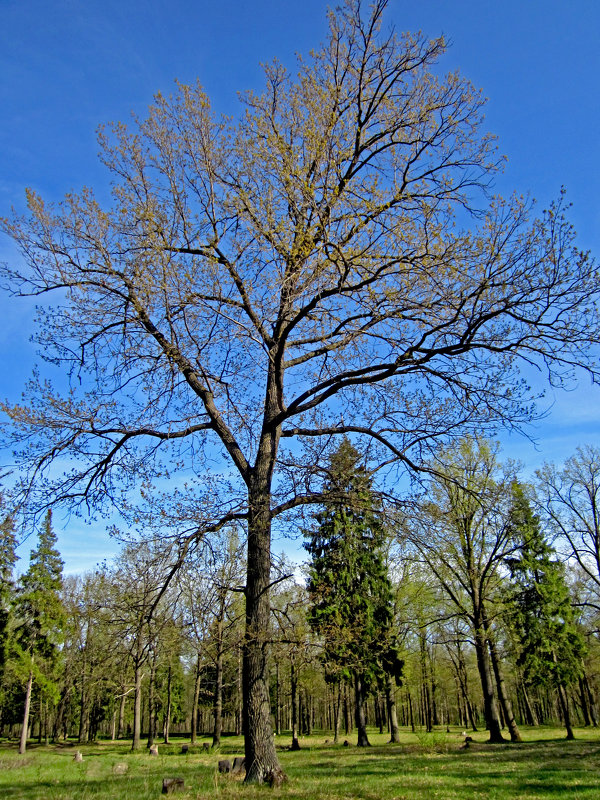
(492, 717)
(337, 713)
(360, 712)
(167, 717)
(24, 729)
(137, 708)
(218, 695)
(390, 699)
(591, 701)
(261, 758)
(151, 703)
(507, 709)
(194, 731)
(295, 705)
(122, 701)
(529, 708)
(347, 716)
(566, 711)
(277, 702)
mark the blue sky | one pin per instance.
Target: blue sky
(68, 66)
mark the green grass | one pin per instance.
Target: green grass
(422, 767)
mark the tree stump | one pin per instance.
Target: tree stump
(153, 750)
(224, 765)
(206, 747)
(78, 756)
(239, 765)
(185, 748)
(172, 785)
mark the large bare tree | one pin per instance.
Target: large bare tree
(329, 263)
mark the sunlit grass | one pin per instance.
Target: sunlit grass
(421, 767)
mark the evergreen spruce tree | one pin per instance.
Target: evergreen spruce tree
(8, 558)
(551, 647)
(349, 589)
(40, 620)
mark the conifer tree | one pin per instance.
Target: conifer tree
(40, 619)
(8, 558)
(551, 647)
(350, 592)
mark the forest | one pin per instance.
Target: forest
(474, 603)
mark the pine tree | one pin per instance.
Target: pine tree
(551, 647)
(8, 558)
(40, 620)
(350, 592)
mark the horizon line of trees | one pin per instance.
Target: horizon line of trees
(452, 609)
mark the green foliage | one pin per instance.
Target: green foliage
(349, 589)
(39, 611)
(539, 603)
(8, 558)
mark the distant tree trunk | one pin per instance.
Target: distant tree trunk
(410, 712)
(24, 729)
(492, 717)
(277, 701)
(194, 723)
(240, 696)
(295, 704)
(122, 701)
(507, 709)
(152, 702)
(566, 711)
(425, 684)
(530, 712)
(461, 672)
(137, 708)
(591, 700)
(390, 698)
(218, 694)
(347, 717)
(337, 712)
(167, 717)
(360, 712)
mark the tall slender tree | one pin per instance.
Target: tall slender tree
(349, 588)
(539, 606)
(8, 559)
(40, 619)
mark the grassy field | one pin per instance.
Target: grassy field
(423, 766)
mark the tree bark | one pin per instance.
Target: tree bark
(390, 699)
(151, 702)
(492, 717)
(24, 729)
(337, 713)
(194, 722)
(360, 712)
(261, 758)
(295, 704)
(137, 708)
(218, 695)
(167, 717)
(513, 728)
(566, 711)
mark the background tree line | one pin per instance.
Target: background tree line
(454, 608)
